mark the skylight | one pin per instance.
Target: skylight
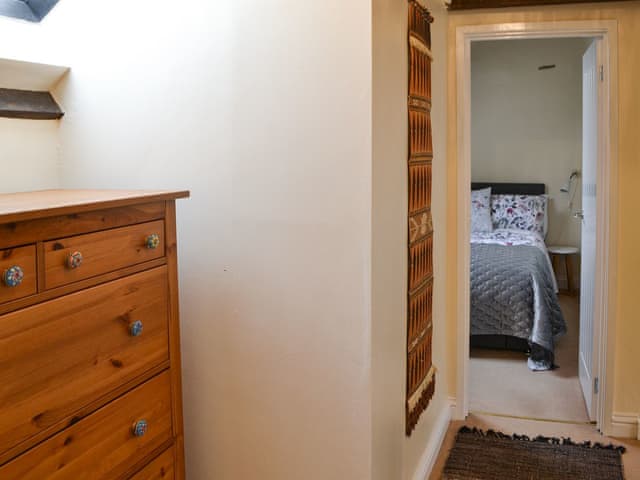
(30, 10)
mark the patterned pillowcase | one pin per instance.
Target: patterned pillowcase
(522, 212)
(481, 210)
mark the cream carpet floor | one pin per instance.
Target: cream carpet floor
(501, 383)
(532, 428)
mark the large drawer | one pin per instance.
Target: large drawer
(102, 446)
(75, 258)
(162, 468)
(58, 357)
(18, 271)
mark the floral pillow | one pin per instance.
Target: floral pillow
(481, 210)
(522, 212)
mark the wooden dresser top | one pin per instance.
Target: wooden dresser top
(15, 207)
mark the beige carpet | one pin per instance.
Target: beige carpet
(630, 460)
(500, 381)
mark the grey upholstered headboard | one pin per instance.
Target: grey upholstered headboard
(511, 188)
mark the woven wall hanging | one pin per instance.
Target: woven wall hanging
(420, 371)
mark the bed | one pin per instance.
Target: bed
(514, 303)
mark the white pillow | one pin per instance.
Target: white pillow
(481, 210)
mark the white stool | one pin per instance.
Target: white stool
(566, 252)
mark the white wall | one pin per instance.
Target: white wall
(28, 155)
(527, 123)
(29, 149)
(396, 456)
(389, 237)
(263, 111)
(417, 447)
(293, 246)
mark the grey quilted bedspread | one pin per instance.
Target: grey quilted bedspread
(512, 293)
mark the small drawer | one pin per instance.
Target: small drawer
(106, 444)
(75, 258)
(60, 357)
(162, 468)
(18, 270)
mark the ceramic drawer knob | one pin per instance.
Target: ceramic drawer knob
(74, 260)
(135, 329)
(139, 428)
(152, 241)
(13, 276)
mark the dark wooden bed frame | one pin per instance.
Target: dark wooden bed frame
(505, 342)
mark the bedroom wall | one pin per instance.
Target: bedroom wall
(626, 399)
(389, 238)
(275, 243)
(29, 155)
(426, 436)
(29, 149)
(396, 456)
(293, 350)
(526, 124)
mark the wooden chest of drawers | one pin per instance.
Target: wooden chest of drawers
(90, 383)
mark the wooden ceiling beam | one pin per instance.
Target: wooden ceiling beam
(28, 105)
(477, 4)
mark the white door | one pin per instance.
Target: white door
(590, 79)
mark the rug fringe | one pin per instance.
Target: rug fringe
(541, 439)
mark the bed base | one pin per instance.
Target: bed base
(499, 342)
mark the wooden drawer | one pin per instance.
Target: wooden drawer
(58, 359)
(25, 259)
(102, 446)
(100, 252)
(162, 468)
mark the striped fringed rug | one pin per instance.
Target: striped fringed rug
(478, 455)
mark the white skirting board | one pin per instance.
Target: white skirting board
(625, 425)
(428, 458)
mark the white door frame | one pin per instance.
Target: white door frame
(606, 31)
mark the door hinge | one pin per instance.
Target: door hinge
(596, 385)
(602, 73)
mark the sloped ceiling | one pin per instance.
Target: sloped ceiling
(30, 10)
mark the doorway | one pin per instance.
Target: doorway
(600, 362)
(527, 146)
